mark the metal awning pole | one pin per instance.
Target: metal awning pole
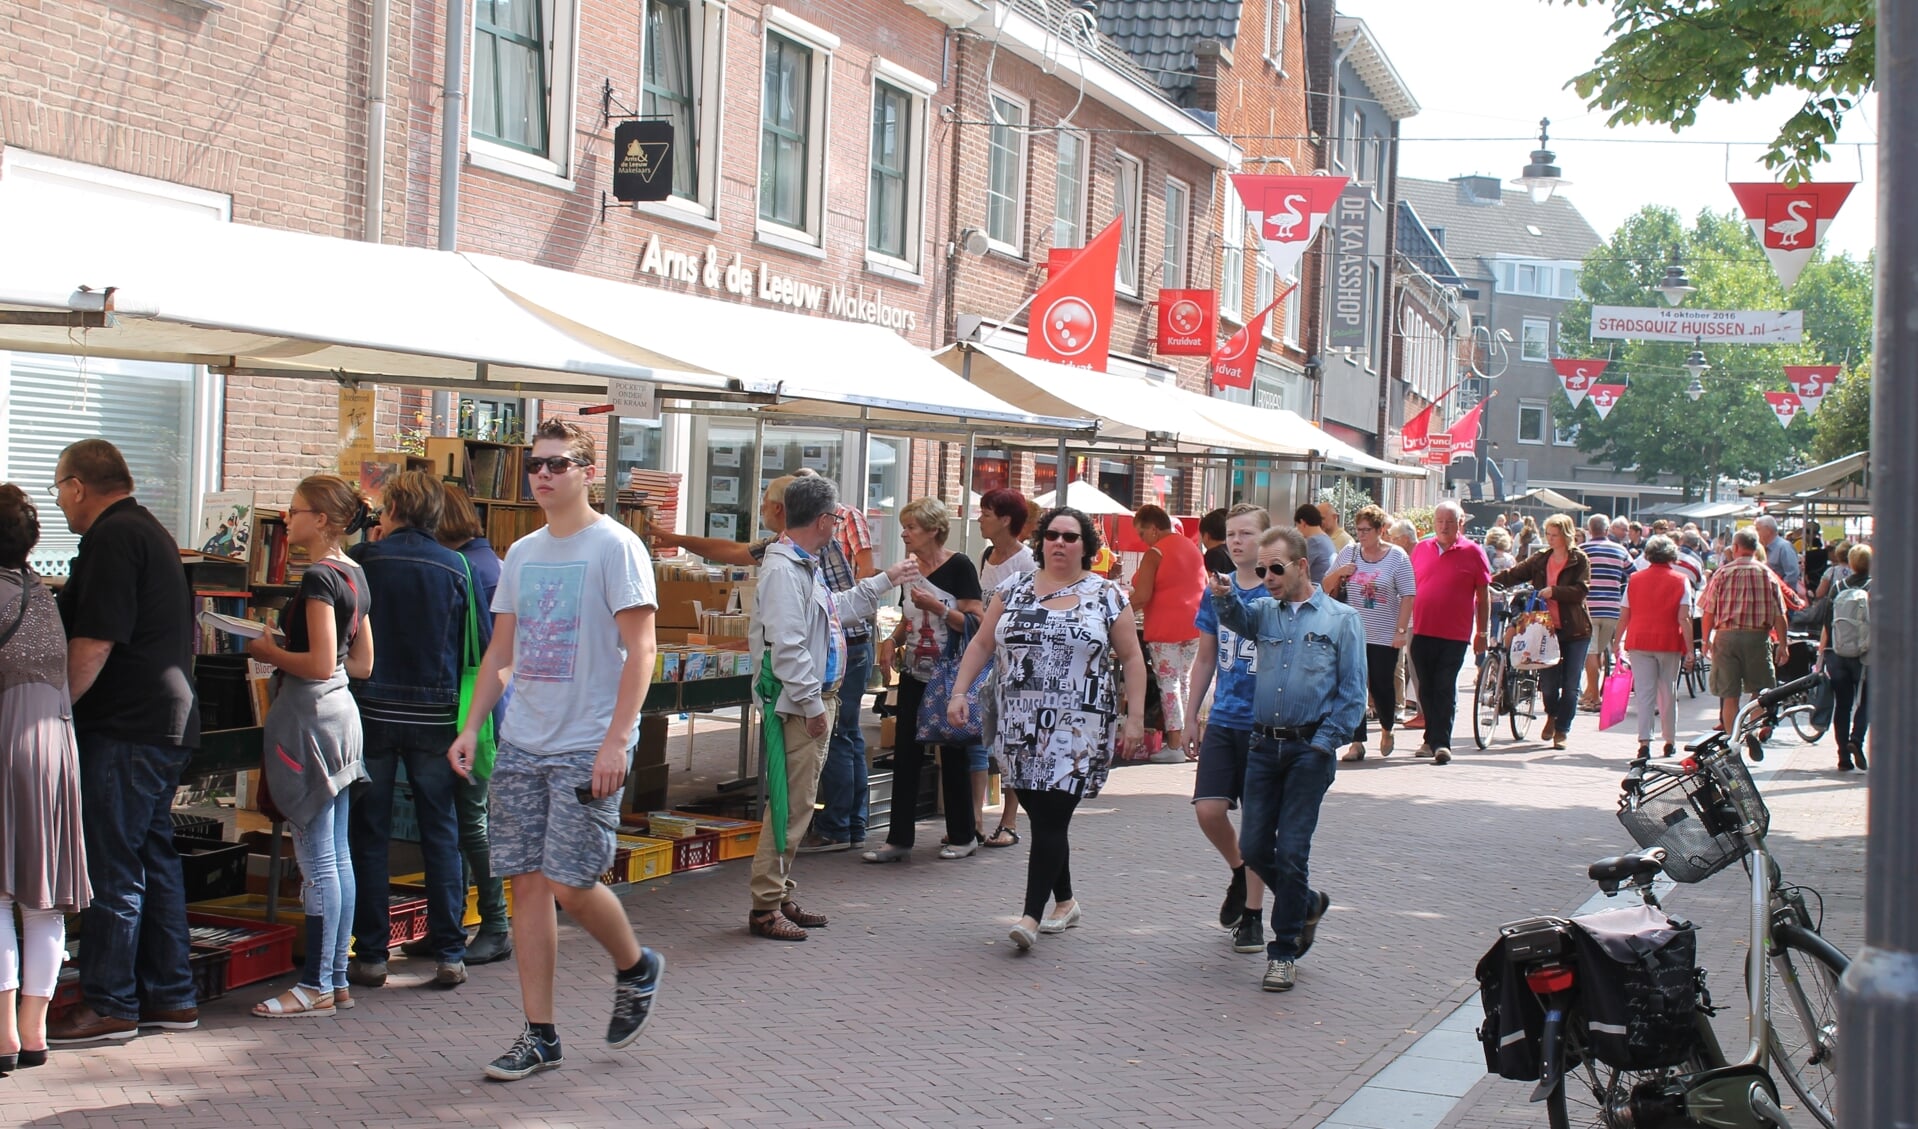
(965, 495)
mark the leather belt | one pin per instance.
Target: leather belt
(1286, 732)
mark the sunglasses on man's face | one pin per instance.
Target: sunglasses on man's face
(1069, 536)
(1262, 570)
(553, 464)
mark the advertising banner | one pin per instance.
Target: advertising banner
(1650, 323)
(1351, 237)
(1188, 323)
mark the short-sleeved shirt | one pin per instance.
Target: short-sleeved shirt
(1448, 584)
(1376, 590)
(1237, 680)
(567, 653)
(1742, 596)
(1319, 552)
(128, 588)
(341, 585)
(1177, 589)
(1611, 566)
(992, 576)
(1783, 560)
(926, 632)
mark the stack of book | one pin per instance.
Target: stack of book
(210, 639)
(273, 560)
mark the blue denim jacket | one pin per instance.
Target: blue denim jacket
(419, 595)
(1311, 663)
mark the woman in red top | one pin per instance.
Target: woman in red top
(1561, 574)
(1170, 583)
(1656, 627)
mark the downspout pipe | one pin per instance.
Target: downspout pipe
(452, 121)
(375, 196)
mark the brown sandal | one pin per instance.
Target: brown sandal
(774, 925)
(802, 918)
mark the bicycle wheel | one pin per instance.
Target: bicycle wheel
(1691, 678)
(1486, 699)
(1522, 709)
(1595, 1096)
(1800, 715)
(1803, 975)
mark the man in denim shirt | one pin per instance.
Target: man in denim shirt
(1310, 700)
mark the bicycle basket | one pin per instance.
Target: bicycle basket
(1697, 818)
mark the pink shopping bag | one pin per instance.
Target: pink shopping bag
(1615, 699)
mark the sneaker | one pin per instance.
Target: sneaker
(818, 844)
(1441, 756)
(1232, 910)
(1280, 975)
(1167, 756)
(529, 1054)
(489, 947)
(367, 974)
(1249, 937)
(633, 1000)
(1425, 752)
(450, 974)
(84, 1025)
(1311, 931)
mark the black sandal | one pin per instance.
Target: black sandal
(994, 841)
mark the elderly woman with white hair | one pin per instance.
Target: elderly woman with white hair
(1561, 575)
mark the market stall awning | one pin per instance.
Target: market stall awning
(1547, 499)
(1293, 429)
(1813, 481)
(1132, 409)
(814, 365)
(1700, 511)
(254, 298)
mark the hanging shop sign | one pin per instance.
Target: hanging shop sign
(1438, 450)
(1646, 323)
(1605, 398)
(1577, 376)
(1188, 323)
(634, 399)
(1289, 211)
(1351, 237)
(706, 270)
(642, 161)
(1790, 220)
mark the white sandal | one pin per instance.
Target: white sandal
(296, 1002)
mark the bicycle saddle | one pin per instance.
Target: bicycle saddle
(1631, 867)
(1707, 741)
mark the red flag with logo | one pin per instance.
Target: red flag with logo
(1071, 319)
(1605, 397)
(1577, 376)
(1464, 432)
(1188, 323)
(1811, 382)
(1413, 436)
(1789, 220)
(1234, 364)
(1784, 405)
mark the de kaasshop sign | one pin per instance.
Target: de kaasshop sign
(761, 284)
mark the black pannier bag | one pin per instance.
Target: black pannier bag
(1514, 1017)
(1638, 987)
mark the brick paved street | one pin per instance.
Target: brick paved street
(913, 1010)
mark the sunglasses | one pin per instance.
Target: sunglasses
(1260, 571)
(553, 464)
(1070, 537)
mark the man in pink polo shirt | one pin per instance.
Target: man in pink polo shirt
(1452, 610)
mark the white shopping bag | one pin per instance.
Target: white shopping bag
(1537, 645)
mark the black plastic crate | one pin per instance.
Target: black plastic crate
(213, 869)
(209, 966)
(192, 825)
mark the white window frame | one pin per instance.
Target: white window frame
(1293, 306)
(1265, 284)
(824, 45)
(1374, 312)
(1175, 264)
(1016, 133)
(919, 91)
(1232, 256)
(1074, 199)
(1544, 422)
(1544, 326)
(707, 32)
(1130, 204)
(1278, 16)
(553, 169)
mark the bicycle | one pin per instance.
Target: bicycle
(1501, 689)
(1694, 676)
(1691, 820)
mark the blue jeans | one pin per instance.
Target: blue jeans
(842, 782)
(135, 950)
(326, 894)
(1284, 783)
(1558, 685)
(423, 748)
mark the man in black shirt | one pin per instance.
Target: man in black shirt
(129, 623)
(1212, 540)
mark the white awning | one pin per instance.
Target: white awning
(1293, 429)
(837, 367)
(1815, 480)
(282, 302)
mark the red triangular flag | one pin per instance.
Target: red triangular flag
(1071, 319)
(1464, 433)
(1605, 398)
(1413, 435)
(1811, 382)
(1789, 220)
(1784, 405)
(1233, 365)
(1577, 376)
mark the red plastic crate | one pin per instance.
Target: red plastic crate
(267, 951)
(696, 852)
(407, 918)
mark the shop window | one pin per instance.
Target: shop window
(991, 470)
(679, 82)
(1564, 433)
(642, 445)
(1069, 191)
(1129, 202)
(1232, 258)
(1531, 422)
(491, 419)
(792, 125)
(886, 462)
(521, 118)
(1006, 174)
(1045, 475)
(895, 190)
(1178, 225)
(1535, 341)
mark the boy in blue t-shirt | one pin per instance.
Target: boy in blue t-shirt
(1228, 729)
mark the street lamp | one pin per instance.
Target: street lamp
(1675, 286)
(1541, 178)
(1696, 364)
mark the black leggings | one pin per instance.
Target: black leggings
(1381, 678)
(1048, 866)
(955, 772)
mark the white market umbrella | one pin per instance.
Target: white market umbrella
(1087, 499)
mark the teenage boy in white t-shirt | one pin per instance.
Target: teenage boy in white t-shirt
(574, 624)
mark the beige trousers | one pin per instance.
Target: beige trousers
(772, 882)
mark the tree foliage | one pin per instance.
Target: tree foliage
(1667, 57)
(1843, 422)
(1730, 431)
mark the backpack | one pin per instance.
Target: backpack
(1851, 621)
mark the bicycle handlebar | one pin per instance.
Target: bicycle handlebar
(1770, 698)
